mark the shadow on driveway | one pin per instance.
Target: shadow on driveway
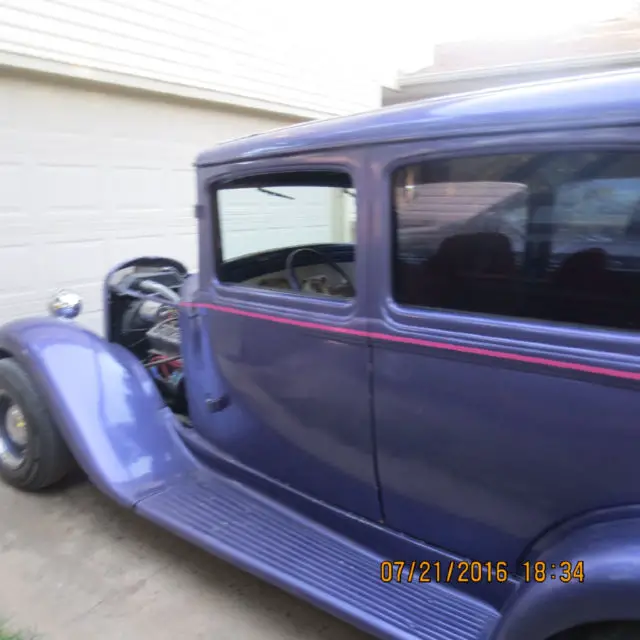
(74, 565)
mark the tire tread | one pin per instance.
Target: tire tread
(49, 459)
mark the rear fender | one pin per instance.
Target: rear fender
(610, 552)
(104, 403)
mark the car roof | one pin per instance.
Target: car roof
(605, 99)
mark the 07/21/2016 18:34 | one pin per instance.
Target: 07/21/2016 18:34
(465, 571)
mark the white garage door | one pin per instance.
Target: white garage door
(89, 178)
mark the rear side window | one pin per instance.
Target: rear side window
(553, 236)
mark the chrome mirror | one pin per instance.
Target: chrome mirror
(66, 305)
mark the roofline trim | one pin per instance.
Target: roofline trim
(558, 64)
(466, 132)
(102, 75)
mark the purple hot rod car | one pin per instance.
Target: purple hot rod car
(404, 383)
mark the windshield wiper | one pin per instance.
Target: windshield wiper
(275, 193)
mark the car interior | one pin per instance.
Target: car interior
(577, 271)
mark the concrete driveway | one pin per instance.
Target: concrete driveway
(73, 566)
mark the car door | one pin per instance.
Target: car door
(294, 365)
(505, 335)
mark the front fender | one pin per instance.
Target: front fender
(104, 403)
(610, 591)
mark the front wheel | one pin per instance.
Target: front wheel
(33, 454)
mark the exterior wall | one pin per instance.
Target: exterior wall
(104, 105)
(604, 39)
(481, 64)
(260, 55)
(435, 85)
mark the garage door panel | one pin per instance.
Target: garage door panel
(138, 118)
(180, 187)
(72, 263)
(91, 178)
(126, 248)
(53, 148)
(139, 223)
(47, 110)
(181, 218)
(12, 178)
(137, 186)
(69, 186)
(14, 150)
(20, 269)
(15, 223)
(16, 226)
(17, 305)
(133, 153)
(179, 247)
(77, 226)
(182, 244)
(21, 291)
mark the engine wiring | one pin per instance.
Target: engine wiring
(158, 360)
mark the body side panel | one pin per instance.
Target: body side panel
(299, 399)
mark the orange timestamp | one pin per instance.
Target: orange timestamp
(467, 571)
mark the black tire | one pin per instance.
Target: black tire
(45, 458)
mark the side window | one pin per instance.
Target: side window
(290, 231)
(553, 236)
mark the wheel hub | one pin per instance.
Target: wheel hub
(13, 434)
(16, 425)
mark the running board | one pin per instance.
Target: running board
(312, 562)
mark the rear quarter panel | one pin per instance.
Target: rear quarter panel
(610, 591)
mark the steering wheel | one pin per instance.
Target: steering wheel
(294, 283)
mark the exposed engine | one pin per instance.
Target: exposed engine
(164, 356)
(143, 317)
(164, 336)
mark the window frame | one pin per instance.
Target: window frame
(573, 179)
(273, 300)
(473, 328)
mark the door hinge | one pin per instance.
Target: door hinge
(199, 211)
